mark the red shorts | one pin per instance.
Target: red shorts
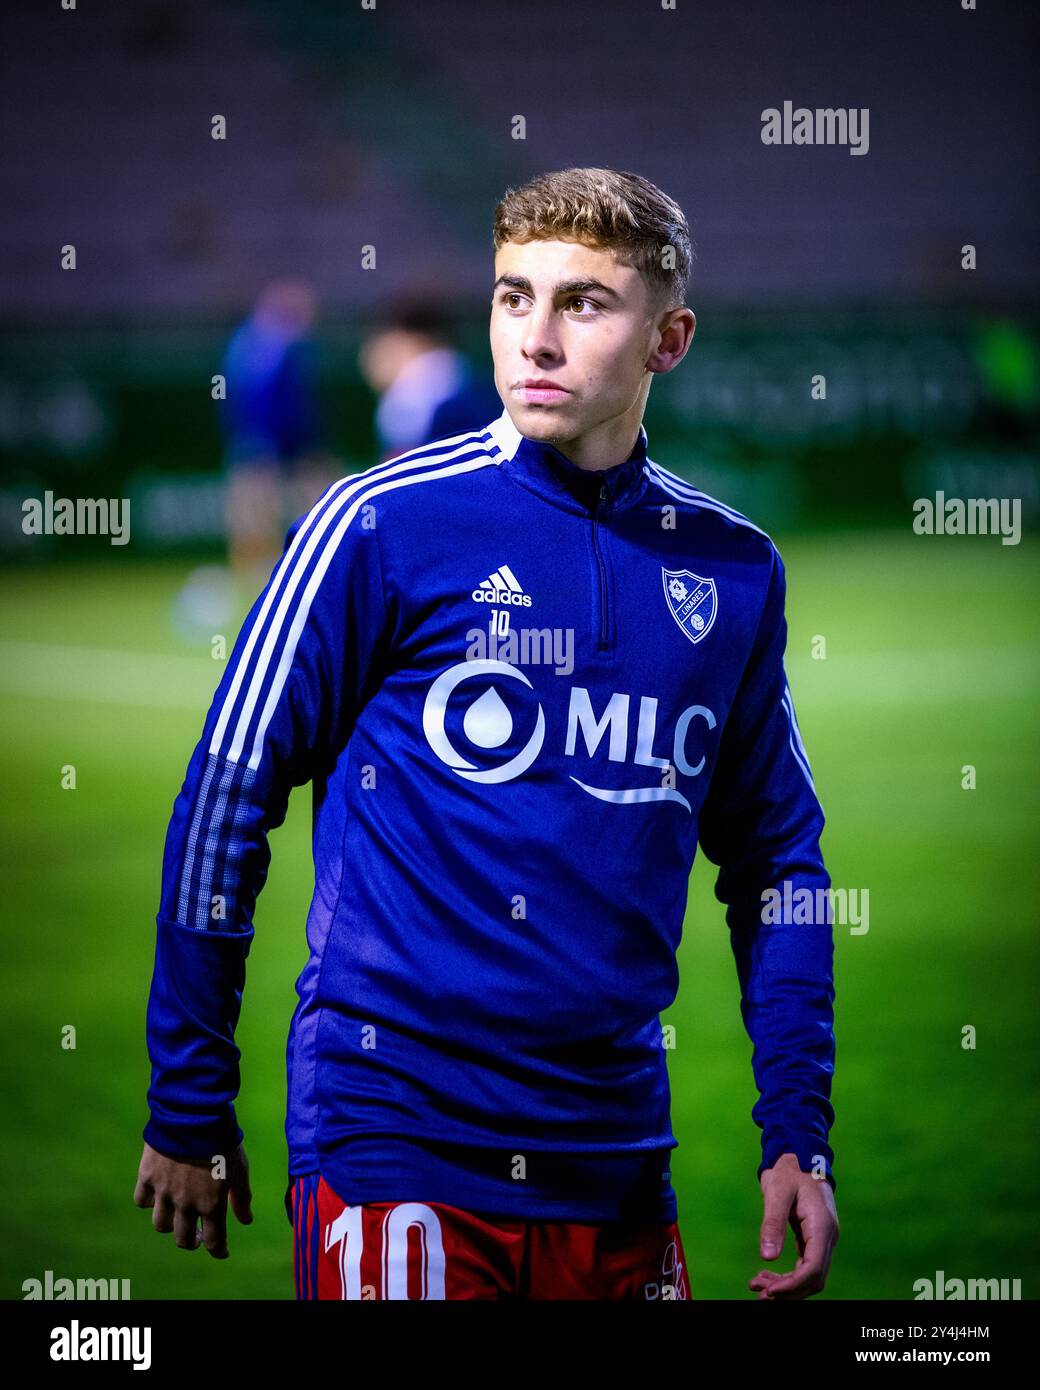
(383, 1250)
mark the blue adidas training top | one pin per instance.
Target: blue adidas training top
(523, 692)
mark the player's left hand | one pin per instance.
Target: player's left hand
(789, 1194)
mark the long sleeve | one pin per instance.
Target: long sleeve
(302, 667)
(761, 824)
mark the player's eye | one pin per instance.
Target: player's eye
(511, 294)
(580, 299)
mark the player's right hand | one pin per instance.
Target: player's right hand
(183, 1191)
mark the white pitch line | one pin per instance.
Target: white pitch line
(935, 676)
(110, 677)
(894, 677)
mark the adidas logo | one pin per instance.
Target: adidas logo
(502, 587)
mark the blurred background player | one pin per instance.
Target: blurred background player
(426, 386)
(271, 420)
(275, 464)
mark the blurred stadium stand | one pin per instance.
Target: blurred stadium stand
(391, 128)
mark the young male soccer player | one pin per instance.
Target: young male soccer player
(526, 669)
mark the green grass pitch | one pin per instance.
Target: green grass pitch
(932, 662)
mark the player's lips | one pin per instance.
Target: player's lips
(541, 391)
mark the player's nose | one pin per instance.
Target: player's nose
(540, 337)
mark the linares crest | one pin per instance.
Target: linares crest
(693, 601)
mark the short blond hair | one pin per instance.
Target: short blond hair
(608, 209)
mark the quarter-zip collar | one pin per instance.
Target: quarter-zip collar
(544, 470)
